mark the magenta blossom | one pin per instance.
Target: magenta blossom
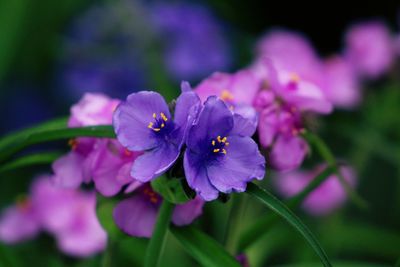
(19, 223)
(342, 85)
(144, 123)
(329, 196)
(67, 214)
(137, 214)
(75, 167)
(370, 48)
(220, 155)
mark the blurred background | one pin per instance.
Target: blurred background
(52, 52)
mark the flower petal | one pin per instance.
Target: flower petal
(188, 212)
(245, 121)
(154, 162)
(135, 216)
(196, 176)
(241, 164)
(68, 170)
(132, 117)
(288, 153)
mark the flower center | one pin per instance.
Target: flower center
(294, 79)
(219, 144)
(159, 123)
(226, 96)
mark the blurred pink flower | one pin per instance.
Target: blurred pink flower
(369, 48)
(67, 214)
(342, 86)
(329, 196)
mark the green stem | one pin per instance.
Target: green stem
(236, 213)
(106, 261)
(157, 240)
(330, 159)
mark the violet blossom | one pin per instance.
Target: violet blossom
(144, 123)
(137, 214)
(220, 155)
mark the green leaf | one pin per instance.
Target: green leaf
(204, 249)
(170, 189)
(46, 135)
(258, 229)
(154, 250)
(278, 207)
(30, 160)
(104, 210)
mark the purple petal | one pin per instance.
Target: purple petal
(241, 164)
(188, 212)
(196, 176)
(154, 162)
(214, 119)
(288, 153)
(135, 216)
(68, 170)
(245, 121)
(18, 223)
(187, 108)
(268, 127)
(132, 117)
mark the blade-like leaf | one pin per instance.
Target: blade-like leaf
(203, 248)
(30, 160)
(258, 229)
(40, 136)
(278, 207)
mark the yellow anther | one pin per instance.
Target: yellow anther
(223, 140)
(154, 115)
(294, 77)
(156, 129)
(162, 125)
(224, 151)
(219, 139)
(226, 144)
(150, 126)
(163, 116)
(226, 95)
(216, 150)
(213, 142)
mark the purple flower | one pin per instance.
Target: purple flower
(329, 196)
(220, 155)
(144, 123)
(137, 214)
(19, 223)
(370, 48)
(342, 86)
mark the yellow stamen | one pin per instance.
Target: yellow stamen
(150, 126)
(223, 140)
(213, 142)
(216, 150)
(163, 116)
(156, 129)
(226, 144)
(162, 125)
(224, 151)
(219, 139)
(154, 115)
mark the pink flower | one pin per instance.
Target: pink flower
(67, 214)
(342, 86)
(329, 196)
(369, 48)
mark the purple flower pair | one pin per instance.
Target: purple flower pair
(220, 156)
